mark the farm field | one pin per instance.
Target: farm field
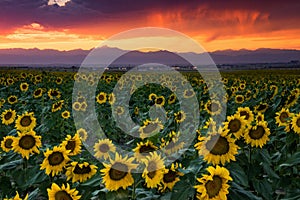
(68, 135)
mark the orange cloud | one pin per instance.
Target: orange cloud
(38, 36)
(213, 24)
(214, 29)
(285, 39)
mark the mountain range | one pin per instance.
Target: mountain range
(36, 56)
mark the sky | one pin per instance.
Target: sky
(84, 24)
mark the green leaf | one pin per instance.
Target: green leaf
(238, 174)
(265, 156)
(33, 195)
(36, 176)
(93, 182)
(238, 192)
(142, 193)
(269, 171)
(263, 187)
(292, 198)
(166, 196)
(182, 190)
(293, 160)
(120, 194)
(11, 164)
(5, 185)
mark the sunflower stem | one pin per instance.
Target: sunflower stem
(51, 178)
(249, 161)
(250, 151)
(133, 191)
(25, 165)
(133, 195)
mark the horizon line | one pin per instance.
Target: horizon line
(141, 50)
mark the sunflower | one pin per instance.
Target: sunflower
(296, 123)
(218, 147)
(136, 110)
(262, 107)
(180, 116)
(23, 75)
(111, 98)
(233, 89)
(283, 117)
(38, 93)
(119, 110)
(249, 117)
(236, 125)
(224, 80)
(101, 97)
(260, 117)
(54, 94)
(248, 95)
(12, 99)
(10, 81)
(83, 106)
(80, 171)
(239, 99)
(103, 148)
(108, 80)
(76, 77)
(27, 143)
(214, 186)
(38, 78)
(154, 169)
(275, 91)
(6, 143)
(143, 149)
(57, 106)
(55, 160)
(172, 144)
(81, 99)
(292, 99)
(17, 197)
(61, 193)
(117, 173)
(2, 101)
(76, 105)
(172, 99)
(171, 177)
(184, 82)
(24, 87)
(210, 123)
(160, 101)
(150, 127)
(65, 114)
(58, 80)
(91, 77)
(213, 107)
(73, 144)
(8, 116)
(242, 86)
(83, 76)
(82, 134)
(257, 135)
(26, 121)
(152, 97)
(188, 93)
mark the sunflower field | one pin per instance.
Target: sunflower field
(47, 153)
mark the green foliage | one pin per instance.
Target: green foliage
(267, 173)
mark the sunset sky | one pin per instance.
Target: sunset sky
(216, 25)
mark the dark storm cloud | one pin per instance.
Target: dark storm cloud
(280, 14)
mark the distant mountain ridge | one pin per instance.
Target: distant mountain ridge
(76, 56)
